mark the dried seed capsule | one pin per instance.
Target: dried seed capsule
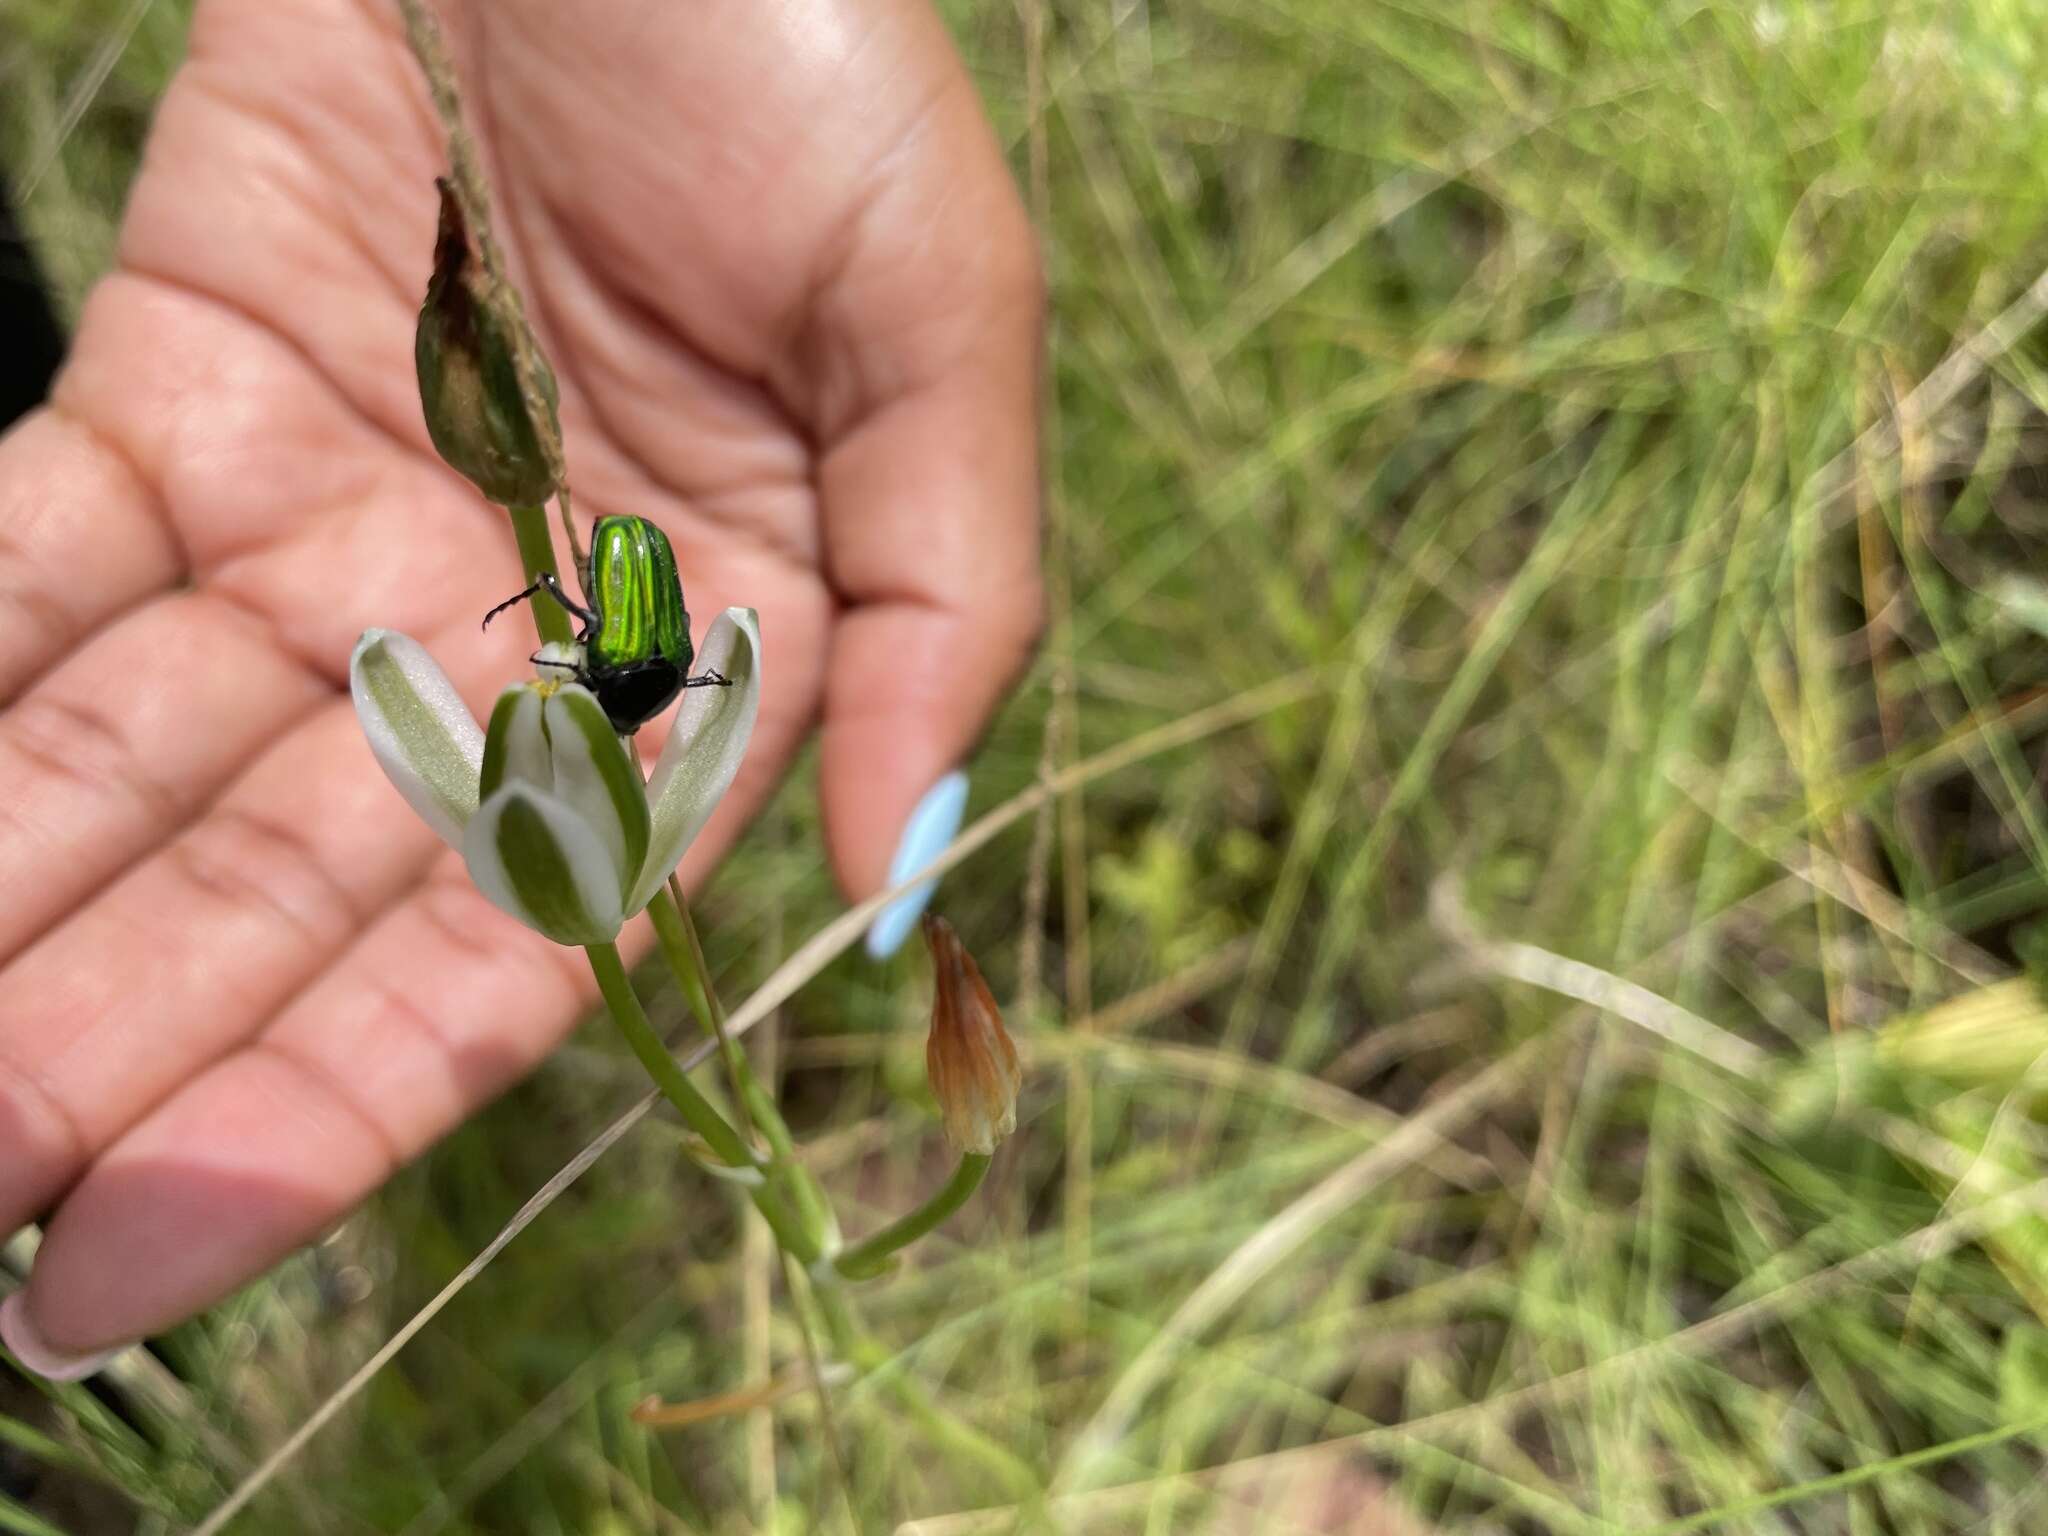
(968, 1055)
(469, 376)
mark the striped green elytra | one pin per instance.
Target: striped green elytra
(638, 596)
(636, 630)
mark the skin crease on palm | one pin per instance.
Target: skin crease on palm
(793, 302)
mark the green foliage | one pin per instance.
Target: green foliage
(1161, 886)
(2023, 1374)
(78, 81)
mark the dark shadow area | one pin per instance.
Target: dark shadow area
(31, 345)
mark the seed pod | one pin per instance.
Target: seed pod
(968, 1055)
(469, 376)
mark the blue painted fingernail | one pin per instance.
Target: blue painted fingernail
(931, 826)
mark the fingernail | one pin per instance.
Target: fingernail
(37, 1354)
(931, 826)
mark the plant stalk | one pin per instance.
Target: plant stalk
(696, 1110)
(677, 935)
(676, 931)
(537, 554)
(865, 1259)
(883, 1367)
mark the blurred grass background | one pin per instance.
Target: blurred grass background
(1454, 1101)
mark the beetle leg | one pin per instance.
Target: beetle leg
(549, 580)
(709, 678)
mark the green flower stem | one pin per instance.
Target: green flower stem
(865, 1259)
(677, 935)
(537, 554)
(678, 939)
(676, 932)
(695, 1109)
(632, 1020)
(884, 1367)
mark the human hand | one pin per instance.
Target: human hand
(793, 305)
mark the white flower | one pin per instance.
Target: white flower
(547, 807)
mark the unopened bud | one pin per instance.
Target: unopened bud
(469, 376)
(969, 1057)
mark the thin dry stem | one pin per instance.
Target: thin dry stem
(472, 191)
(1624, 1371)
(1279, 1238)
(758, 1298)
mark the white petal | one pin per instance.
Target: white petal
(598, 779)
(704, 747)
(538, 860)
(423, 735)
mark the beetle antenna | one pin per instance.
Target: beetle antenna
(546, 582)
(709, 678)
(517, 597)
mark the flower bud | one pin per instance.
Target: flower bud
(561, 829)
(555, 740)
(968, 1056)
(469, 376)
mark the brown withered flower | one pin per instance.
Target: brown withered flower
(971, 1062)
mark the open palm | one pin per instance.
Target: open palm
(792, 302)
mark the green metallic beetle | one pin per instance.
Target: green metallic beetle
(636, 631)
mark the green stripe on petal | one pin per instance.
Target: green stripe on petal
(595, 776)
(421, 732)
(704, 747)
(535, 858)
(516, 742)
